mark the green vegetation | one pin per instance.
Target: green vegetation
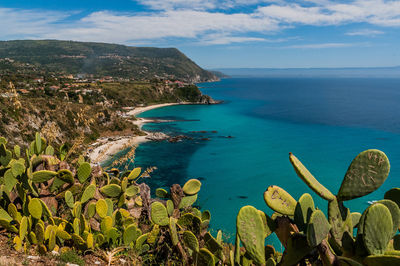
(49, 203)
(68, 110)
(98, 59)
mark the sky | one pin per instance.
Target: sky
(223, 33)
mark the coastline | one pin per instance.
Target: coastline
(106, 147)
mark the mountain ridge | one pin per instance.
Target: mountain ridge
(101, 59)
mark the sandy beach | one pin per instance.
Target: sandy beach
(104, 148)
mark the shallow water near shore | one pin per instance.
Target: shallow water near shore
(324, 122)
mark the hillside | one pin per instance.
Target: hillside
(98, 59)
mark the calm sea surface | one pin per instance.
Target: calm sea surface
(324, 122)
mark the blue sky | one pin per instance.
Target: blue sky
(223, 33)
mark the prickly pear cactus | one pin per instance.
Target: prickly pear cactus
(250, 229)
(304, 208)
(317, 229)
(393, 195)
(35, 208)
(279, 200)
(101, 208)
(187, 201)
(111, 190)
(309, 179)
(376, 238)
(84, 171)
(192, 187)
(395, 213)
(88, 193)
(159, 214)
(191, 241)
(366, 173)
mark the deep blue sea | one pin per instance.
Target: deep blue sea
(324, 122)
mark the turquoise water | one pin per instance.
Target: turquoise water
(324, 122)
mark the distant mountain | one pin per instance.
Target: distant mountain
(219, 74)
(373, 72)
(100, 59)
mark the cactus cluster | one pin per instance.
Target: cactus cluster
(50, 204)
(312, 238)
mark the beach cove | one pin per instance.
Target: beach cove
(103, 149)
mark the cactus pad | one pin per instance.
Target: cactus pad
(309, 179)
(90, 241)
(395, 213)
(192, 187)
(187, 201)
(376, 238)
(4, 215)
(279, 200)
(43, 176)
(317, 229)
(366, 173)
(191, 241)
(170, 207)
(9, 180)
(134, 173)
(35, 208)
(393, 195)
(39, 231)
(88, 193)
(132, 191)
(205, 257)
(69, 199)
(378, 260)
(304, 209)
(17, 169)
(84, 171)
(161, 193)
(52, 239)
(111, 190)
(66, 176)
(172, 231)
(250, 229)
(355, 218)
(131, 233)
(23, 228)
(101, 208)
(265, 219)
(159, 214)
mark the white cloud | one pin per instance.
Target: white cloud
(364, 32)
(27, 23)
(377, 12)
(113, 27)
(199, 4)
(323, 45)
(229, 39)
(198, 20)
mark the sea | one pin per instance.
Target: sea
(240, 147)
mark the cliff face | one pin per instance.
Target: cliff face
(99, 59)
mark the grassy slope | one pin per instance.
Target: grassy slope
(103, 59)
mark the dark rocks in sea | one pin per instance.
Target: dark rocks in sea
(226, 137)
(178, 138)
(242, 197)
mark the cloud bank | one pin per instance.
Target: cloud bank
(207, 22)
